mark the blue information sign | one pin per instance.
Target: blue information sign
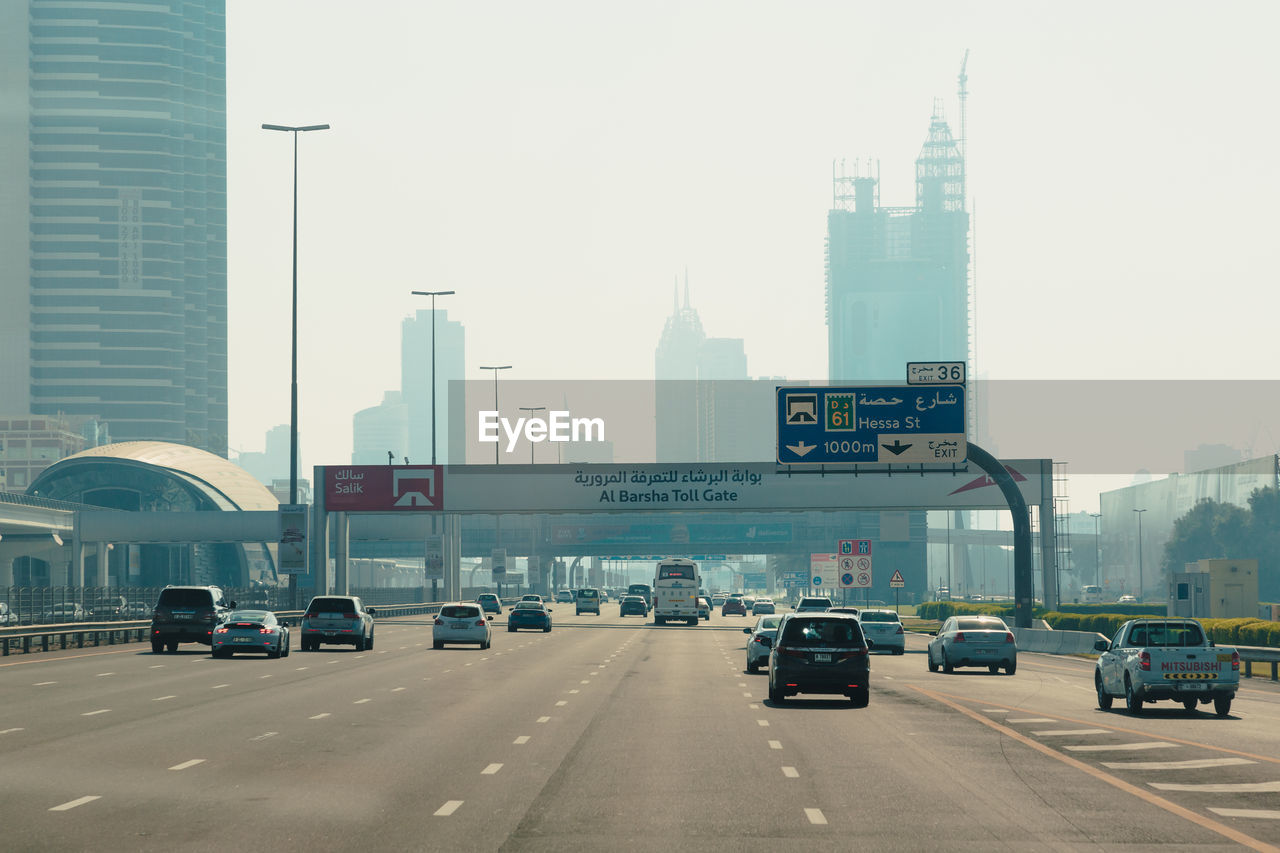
(823, 425)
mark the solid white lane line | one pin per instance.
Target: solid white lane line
(1176, 765)
(520, 740)
(562, 702)
(184, 765)
(491, 769)
(1102, 747)
(448, 808)
(775, 744)
(10, 731)
(790, 773)
(219, 686)
(1263, 814)
(43, 683)
(762, 722)
(162, 698)
(1064, 732)
(543, 719)
(319, 716)
(815, 816)
(264, 736)
(1032, 720)
(361, 701)
(1220, 787)
(71, 805)
(99, 711)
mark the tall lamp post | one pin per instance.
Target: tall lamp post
(1097, 548)
(530, 410)
(293, 381)
(495, 370)
(1140, 512)
(433, 294)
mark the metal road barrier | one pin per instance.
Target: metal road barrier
(1250, 655)
(1081, 643)
(43, 638)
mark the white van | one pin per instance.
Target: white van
(1090, 594)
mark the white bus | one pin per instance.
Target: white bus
(675, 591)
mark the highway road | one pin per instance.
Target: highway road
(607, 733)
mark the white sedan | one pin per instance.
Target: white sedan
(461, 622)
(884, 628)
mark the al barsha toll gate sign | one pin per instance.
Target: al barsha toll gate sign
(384, 488)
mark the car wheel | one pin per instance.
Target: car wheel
(1132, 702)
(437, 644)
(899, 651)
(1189, 705)
(484, 646)
(659, 620)
(861, 698)
(1104, 698)
(369, 643)
(511, 629)
(1222, 705)
(1011, 667)
(173, 645)
(274, 654)
(692, 622)
(993, 668)
(775, 695)
(157, 646)
(360, 643)
(752, 666)
(933, 667)
(287, 643)
(546, 630)
(946, 664)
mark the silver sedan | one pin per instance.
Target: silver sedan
(977, 640)
(251, 631)
(762, 637)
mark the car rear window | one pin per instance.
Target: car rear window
(815, 602)
(185, 598)
(527, 605)
(981, 625)
(459, 611)
(832, 633)
(874, 616)
(587, 593)
(332, 605)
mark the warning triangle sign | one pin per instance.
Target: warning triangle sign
(897, 579)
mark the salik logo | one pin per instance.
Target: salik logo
(414, 487)
(984, 481)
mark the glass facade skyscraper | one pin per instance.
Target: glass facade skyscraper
(115, 293)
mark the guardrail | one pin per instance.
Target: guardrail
(1249, 655)
(29, 638)
(1081, 643)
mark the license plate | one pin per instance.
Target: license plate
(460, 625)
(242, 639)
(1194, 686)
(330, 634)
(177, 616)
(822, 657)
(985, 651)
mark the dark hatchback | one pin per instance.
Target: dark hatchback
(633, 605)
(820, 653)
(529, 614)
(736, 606)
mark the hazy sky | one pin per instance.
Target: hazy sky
(559, 163)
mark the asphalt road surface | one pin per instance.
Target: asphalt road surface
(608, 733)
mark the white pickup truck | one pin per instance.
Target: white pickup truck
(1151, 659)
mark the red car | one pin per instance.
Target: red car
(733, 605)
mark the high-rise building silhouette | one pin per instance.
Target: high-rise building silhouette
(381, 430)
(898, 277)
(415, 384)
(113, 289)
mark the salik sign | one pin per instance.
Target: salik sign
(384, 488)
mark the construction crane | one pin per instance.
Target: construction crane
(964, 94)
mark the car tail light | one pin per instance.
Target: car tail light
(759, 638)
(1144, 661)
(439, 621)
(1008, 636)
(791, 653)
(480, 623)
(348, 616)
(266, 630)
(899, 631)
(856, 653)
(959, 638)
(221, 630)
(1235, 661)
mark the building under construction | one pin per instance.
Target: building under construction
(898, 285)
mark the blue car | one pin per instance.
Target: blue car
(489, 603)
(529, 614)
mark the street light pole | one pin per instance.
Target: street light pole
(1097, 547)
(293, 381)
(433, 294)
(495, 370)
(1140, 512)
(531, 410)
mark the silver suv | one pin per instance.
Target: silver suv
(339, 620)
(813, 605)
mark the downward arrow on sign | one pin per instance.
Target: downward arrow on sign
(896, 448)
(801, 448)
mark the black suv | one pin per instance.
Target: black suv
(820, 653)
(187, 614)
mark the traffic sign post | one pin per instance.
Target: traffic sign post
(897, 582)
(877, 424)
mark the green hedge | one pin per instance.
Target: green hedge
(1133, 610)
(943, 609)
(1246, 631)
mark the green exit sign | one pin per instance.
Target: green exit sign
(840, 413)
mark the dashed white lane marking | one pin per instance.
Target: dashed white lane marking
(1194, 764)
(470, 662)
(101, 674)
(1031, 720)
(790, 773)
(543, 719)
(1220, 787)
(585, 681)
(815, 816)
(163, 698)
(742, 684)
(219, 686)
(521, 740)
(995, 710)
(775, 744)
(447, 670)
(264, 676)
(319, 716)
(1065, 732)
(264, 736)
(361, 701)
(491, 769)
(1262, 814)
(335, 660)
(595, 673)
(357, 657)
(300, 668)
(99, 711)
(746, 695)
(562, 702)
(762, 722)
(753, 707)
(448, 808)
(396, 689)
(156, 666)
(1102, 747)
(71, 805)
(43, 683)
(10, 731)
(184, 765)
(575, 690)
